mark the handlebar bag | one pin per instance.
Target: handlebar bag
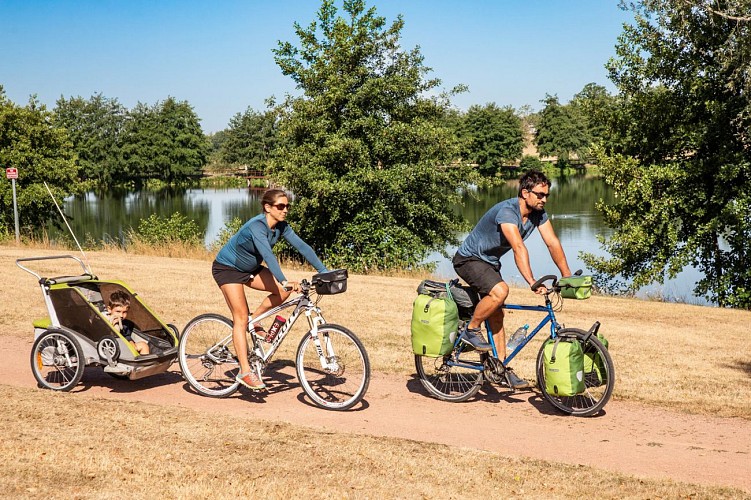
(564, 366)
(576, 287)
(435, 320)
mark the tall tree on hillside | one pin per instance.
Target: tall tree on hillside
(365, 153)
(42, 153)
(250, 139)
(95, 126)
(495, 137)
(164, 141)
(595, 104)
(682, 172)
(561, 131)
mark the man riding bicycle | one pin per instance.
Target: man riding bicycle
(477, 261)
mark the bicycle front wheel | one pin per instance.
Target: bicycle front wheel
(599, 377)
(338, 379)
(451, 378)
(206, 356)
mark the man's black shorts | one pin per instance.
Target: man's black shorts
(477, 273)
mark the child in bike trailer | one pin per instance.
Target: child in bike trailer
(118, 306)
(238, 264)
(477, 261)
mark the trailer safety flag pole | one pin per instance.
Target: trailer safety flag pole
(12, 174)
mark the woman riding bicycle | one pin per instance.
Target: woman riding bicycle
(238, 264)
(477, 261)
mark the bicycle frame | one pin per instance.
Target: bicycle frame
(302, 305)
(549, 318)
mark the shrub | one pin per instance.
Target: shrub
(156, 230)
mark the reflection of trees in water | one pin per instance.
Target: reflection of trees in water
(108, 216)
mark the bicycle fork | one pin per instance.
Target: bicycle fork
(329, 362)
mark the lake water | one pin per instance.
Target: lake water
(108, 216)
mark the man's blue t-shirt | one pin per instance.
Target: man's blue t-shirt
(486, 240)
(252, 245)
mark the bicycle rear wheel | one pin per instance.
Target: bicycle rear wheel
(344, 377)
(453, 378)
(206, 356)
(599, 377)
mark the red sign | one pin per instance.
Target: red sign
(11, 173)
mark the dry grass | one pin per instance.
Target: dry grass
(684, 357)
(81, 447)
(690, 358)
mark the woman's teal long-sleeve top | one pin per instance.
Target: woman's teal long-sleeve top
(252, 245)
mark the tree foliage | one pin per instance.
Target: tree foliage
(164, 141)
(562, 131)
(250, 139)
(494, 137)
(597, 107)
(95, 127)
(364, 151)
(41, 152)
(681, 169)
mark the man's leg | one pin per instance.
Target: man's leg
(489, 308)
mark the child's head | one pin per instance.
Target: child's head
(118, 305)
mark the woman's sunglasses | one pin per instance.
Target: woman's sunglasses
(282, 206)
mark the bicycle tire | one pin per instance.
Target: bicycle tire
(343, 382)
(599, 382)
(210, 373)
(57, 360)
(450, 383)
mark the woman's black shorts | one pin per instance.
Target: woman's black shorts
(227, 274)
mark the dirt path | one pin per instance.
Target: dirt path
(628, 438)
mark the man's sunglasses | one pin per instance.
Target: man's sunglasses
(540, 195)
(282, 206)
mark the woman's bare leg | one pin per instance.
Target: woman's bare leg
(264, 281)
(234, 294)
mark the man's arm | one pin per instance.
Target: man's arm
(521, 255)
(554, 247)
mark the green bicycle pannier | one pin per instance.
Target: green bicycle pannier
(564, 366)
(594, 366)
(435, 320)
(576, 287)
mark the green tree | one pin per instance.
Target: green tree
(250, 139)
(95, 126)
(495, 137)
(41, 152)
(365, 154)
(595, 104)
(682, 169)
(561, 131)
(164, 141)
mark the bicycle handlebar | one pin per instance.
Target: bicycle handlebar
(537, 284)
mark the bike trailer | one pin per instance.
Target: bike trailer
(564, 366)
(576, 287)
(77, 333)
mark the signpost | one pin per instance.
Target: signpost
(12, 174)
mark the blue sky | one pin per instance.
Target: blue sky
(217, 54)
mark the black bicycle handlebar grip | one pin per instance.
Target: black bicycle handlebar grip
(534, 286)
